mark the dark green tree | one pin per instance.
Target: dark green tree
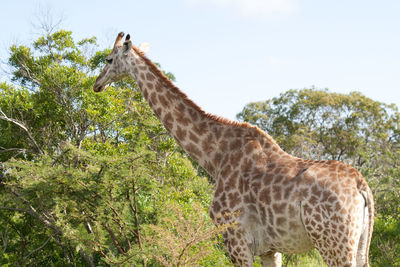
(85, 178)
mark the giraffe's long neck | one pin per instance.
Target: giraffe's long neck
(213, 142)
(197, 133)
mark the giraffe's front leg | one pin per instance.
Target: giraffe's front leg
(238, 245)
(271, 259)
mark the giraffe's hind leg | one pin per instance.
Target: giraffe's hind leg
(336, 257)
(363, 245)
(335, 237)
(335, 248)
(362, 253)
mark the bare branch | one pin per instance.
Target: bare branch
(117, 245)
(46, 22)
(13, 209)
(4, 238)
(4, 117)
(18, 150)
(134, 209)
(86, 258)
(40, 247)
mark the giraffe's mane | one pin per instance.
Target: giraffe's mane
(167, 82)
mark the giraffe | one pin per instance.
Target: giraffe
(279, 203)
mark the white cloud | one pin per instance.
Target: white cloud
(265, 8)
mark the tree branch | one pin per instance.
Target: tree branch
(40, 247)
(4, 117)
(45, 219)
(17, 150)
(114, 239)
(86, 258)
(134, 209)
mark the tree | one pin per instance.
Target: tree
(84, 176)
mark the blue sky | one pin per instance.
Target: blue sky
(227, 53)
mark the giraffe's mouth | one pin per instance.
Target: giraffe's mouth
(99, 88)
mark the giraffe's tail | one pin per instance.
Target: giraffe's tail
(366, 235)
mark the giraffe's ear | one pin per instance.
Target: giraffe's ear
(127, 46)
(144, 47)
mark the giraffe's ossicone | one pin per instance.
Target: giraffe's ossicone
(279, 203)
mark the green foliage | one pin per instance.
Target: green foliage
(185, 237)
(319, 124)
(94, 200)
(19, 104)
(311, 259)
(386, 241)
(56, 81)
(84, 177)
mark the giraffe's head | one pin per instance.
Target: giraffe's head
(119, 62)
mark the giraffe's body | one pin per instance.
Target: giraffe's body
(280, 203)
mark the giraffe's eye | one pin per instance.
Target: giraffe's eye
(109, 60)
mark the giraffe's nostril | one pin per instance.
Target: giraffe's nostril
(97, 88)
